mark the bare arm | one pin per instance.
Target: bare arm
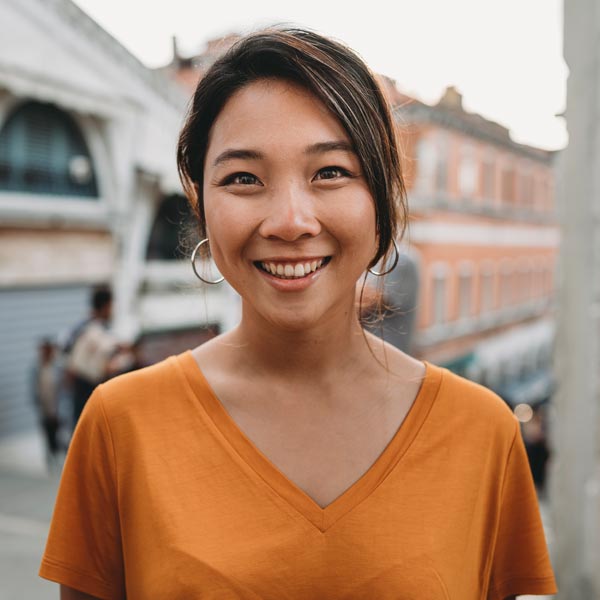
(67, 593)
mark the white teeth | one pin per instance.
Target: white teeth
(289, 271)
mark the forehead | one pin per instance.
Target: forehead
(274, 113)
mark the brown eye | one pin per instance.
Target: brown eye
(241, 179)
(332, 173)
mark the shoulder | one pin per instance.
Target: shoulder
(468, 394)
(142, 391)
(468, 406)
(89, 328)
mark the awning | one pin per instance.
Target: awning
(532, 389)
(510, 347)
(459, 364)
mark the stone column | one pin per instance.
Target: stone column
(576, 425)
(133, 232)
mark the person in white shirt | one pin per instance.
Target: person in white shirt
(90, 350)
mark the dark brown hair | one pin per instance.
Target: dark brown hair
(334, 74)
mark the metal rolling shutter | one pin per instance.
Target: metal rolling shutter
(26, 316)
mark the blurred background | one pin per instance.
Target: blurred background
(497, 106)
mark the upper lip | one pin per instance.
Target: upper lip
(292, 259)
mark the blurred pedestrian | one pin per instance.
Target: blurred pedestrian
(90, 349)
(536, 444)
(129, 358)
(47, 386)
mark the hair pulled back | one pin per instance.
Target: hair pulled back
(339, 78)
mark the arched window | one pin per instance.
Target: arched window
(441, 165)
(42, 151)
(465, 290)
(439, 305)
(172, 226)
(486, 288)
(489, 176)
(506, 284)
(468, 172)
(427, 157)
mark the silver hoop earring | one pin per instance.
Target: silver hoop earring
(194, 253)
(396, 259)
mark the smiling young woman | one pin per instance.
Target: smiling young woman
(296, 456)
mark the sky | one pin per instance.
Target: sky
(505, 57)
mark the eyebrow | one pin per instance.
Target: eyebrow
(318, 148)
(232, 154)
(322, 147)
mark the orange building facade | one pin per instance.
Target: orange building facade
(483, 233)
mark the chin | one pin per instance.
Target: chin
(296, 319)
(294, 323)
(299, 315)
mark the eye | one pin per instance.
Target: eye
(241, 179)
(332, 173)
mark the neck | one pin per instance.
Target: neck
(320, 351)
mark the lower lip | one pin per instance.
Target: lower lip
(292, 285)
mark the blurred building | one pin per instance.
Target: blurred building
(89, 194)
(484, 235)
(186, 71)
(576, 426)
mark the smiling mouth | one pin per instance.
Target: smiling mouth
(292, 270)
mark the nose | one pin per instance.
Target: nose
(291, 215)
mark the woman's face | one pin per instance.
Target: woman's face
(289, 216)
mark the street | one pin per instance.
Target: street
(26, 500)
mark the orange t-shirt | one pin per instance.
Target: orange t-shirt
(163, 496)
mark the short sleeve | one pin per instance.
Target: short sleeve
(84, 549)
(520, 563)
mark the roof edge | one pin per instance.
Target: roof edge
(72, 13)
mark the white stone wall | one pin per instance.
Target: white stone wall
(130, 117)
(30, 257)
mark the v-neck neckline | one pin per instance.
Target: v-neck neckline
(363, 487)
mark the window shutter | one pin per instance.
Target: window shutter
(38, 145)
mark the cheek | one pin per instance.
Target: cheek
(227, 226)
(217, 215)
(360, 217)
(215, 228)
